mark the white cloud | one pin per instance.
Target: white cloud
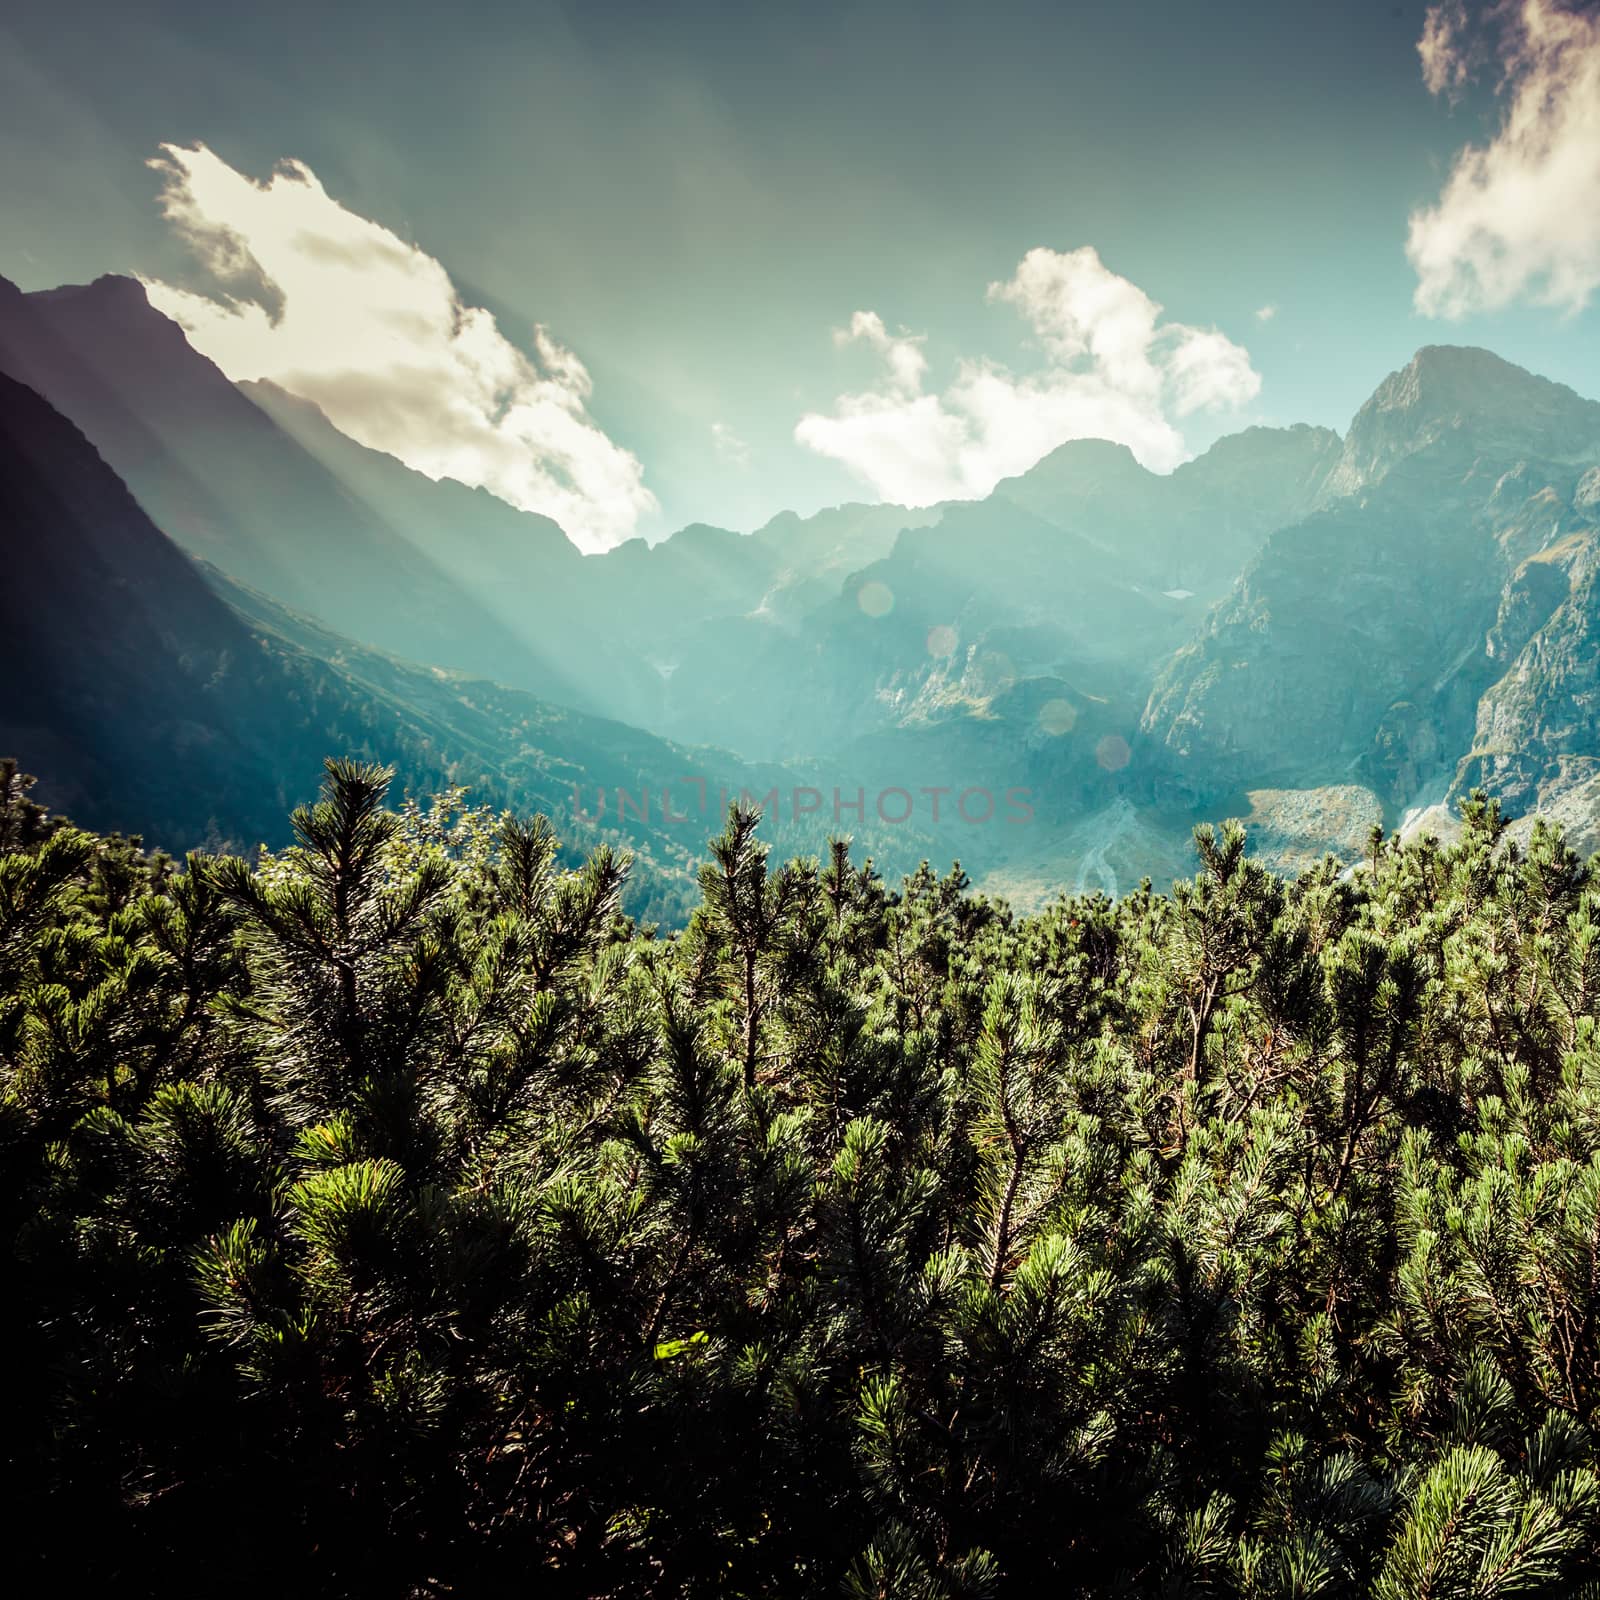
(1519, 217)
(1112, 370)
(338, 309)
(727, 443)
(901, 352)
(1446, 48)
(1266, 313)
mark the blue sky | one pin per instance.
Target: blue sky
(695, 199)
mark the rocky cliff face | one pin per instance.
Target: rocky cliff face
(1537, 732)
(1428, 628)
(1463, 408)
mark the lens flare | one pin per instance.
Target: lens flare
(1057, 717)
(1113, 753)
(876, 599)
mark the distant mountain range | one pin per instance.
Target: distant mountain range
(1313, 631)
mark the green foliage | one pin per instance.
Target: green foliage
(390, 1217)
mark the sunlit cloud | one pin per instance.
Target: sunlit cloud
(1519, 217)
(1447, 48)
(1266, 313)
(1112, 369)
(336, 308)
(902, 353)
(729, 446)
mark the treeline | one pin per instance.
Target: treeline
(391, 1217)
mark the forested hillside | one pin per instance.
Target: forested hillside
(389, 1217)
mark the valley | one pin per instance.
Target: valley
(1318, 634)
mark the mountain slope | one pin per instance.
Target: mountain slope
(1536, 741)
(147, 703)
(111, 647)
(1079, 570)
(1429, 628)
(520, 568)
(230, 486)
(1193, 528)
(260, 484)
(1460, 405)
(648, 603)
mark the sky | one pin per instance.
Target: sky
(643, 265)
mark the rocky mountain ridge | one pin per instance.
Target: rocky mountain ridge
(1431, 628)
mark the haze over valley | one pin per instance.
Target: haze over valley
(1318, 633)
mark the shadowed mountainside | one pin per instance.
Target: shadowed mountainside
(149, 703)
(229, 485)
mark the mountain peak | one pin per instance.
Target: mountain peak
(110, 323)
(110, 288)
(1079, 472)
(1464, 381)
(1087, 455)
(1461, 392)
(1251, 447)
(1454, 377)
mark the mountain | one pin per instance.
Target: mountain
(1316, 631)
(231, 486)
(111, 647)
(984, 595)
(481, 536)
(1195, 527)
(1536, 737)
(146, 701)
(815, 554)
(627, 615)
(518, 567)
(1073, 574)
(1433, 627)
(711, 586)
(260, 484)
(1399, 615)
(1462, 408)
